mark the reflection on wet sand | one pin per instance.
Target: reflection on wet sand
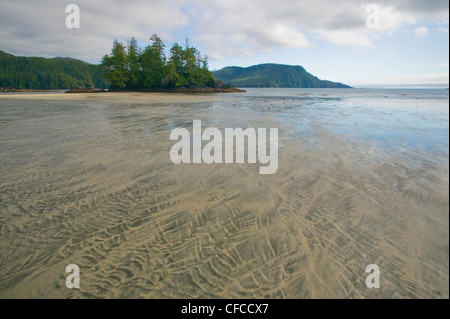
(87, 179)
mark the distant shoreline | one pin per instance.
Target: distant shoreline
(7, 90)
(178, 90)
(95, 90)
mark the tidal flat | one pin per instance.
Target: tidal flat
(87, 179)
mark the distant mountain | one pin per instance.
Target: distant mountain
(42, 73)
(273, 75)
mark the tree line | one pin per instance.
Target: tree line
(131, 67)
(42, 73)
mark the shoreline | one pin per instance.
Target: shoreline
(99, 90)
(176, 90)
(12, 90)
(112, 97)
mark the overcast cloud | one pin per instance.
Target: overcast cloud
(223, 28)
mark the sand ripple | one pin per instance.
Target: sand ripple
(91, 183)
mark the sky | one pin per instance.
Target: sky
(374, 43)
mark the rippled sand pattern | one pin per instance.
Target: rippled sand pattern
(88, 180)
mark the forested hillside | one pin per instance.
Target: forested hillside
(273, 75)
(42, 73)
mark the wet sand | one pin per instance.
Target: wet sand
(87, 179)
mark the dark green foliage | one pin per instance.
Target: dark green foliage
(149, 68)
(115, 66)
(41, 73)
(134, 67)
(153, 64)
(273, 75)
(129, 67)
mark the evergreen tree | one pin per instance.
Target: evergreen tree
(132, 68)
(176, 67)
(115, 66)
(153, 62)
(133, 65)
(206, 77)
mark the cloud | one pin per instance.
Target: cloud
(281, 35)
(421, 32)
(221, 28)
(257, 25)
(346, 37)
(38, 27)
(422, 80)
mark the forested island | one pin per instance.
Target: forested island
(130, 68)
(273, 75)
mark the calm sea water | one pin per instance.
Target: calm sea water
(362, 178)
(413, 118)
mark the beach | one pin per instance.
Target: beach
(363, 178)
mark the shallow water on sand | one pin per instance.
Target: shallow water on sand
(362, 179)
